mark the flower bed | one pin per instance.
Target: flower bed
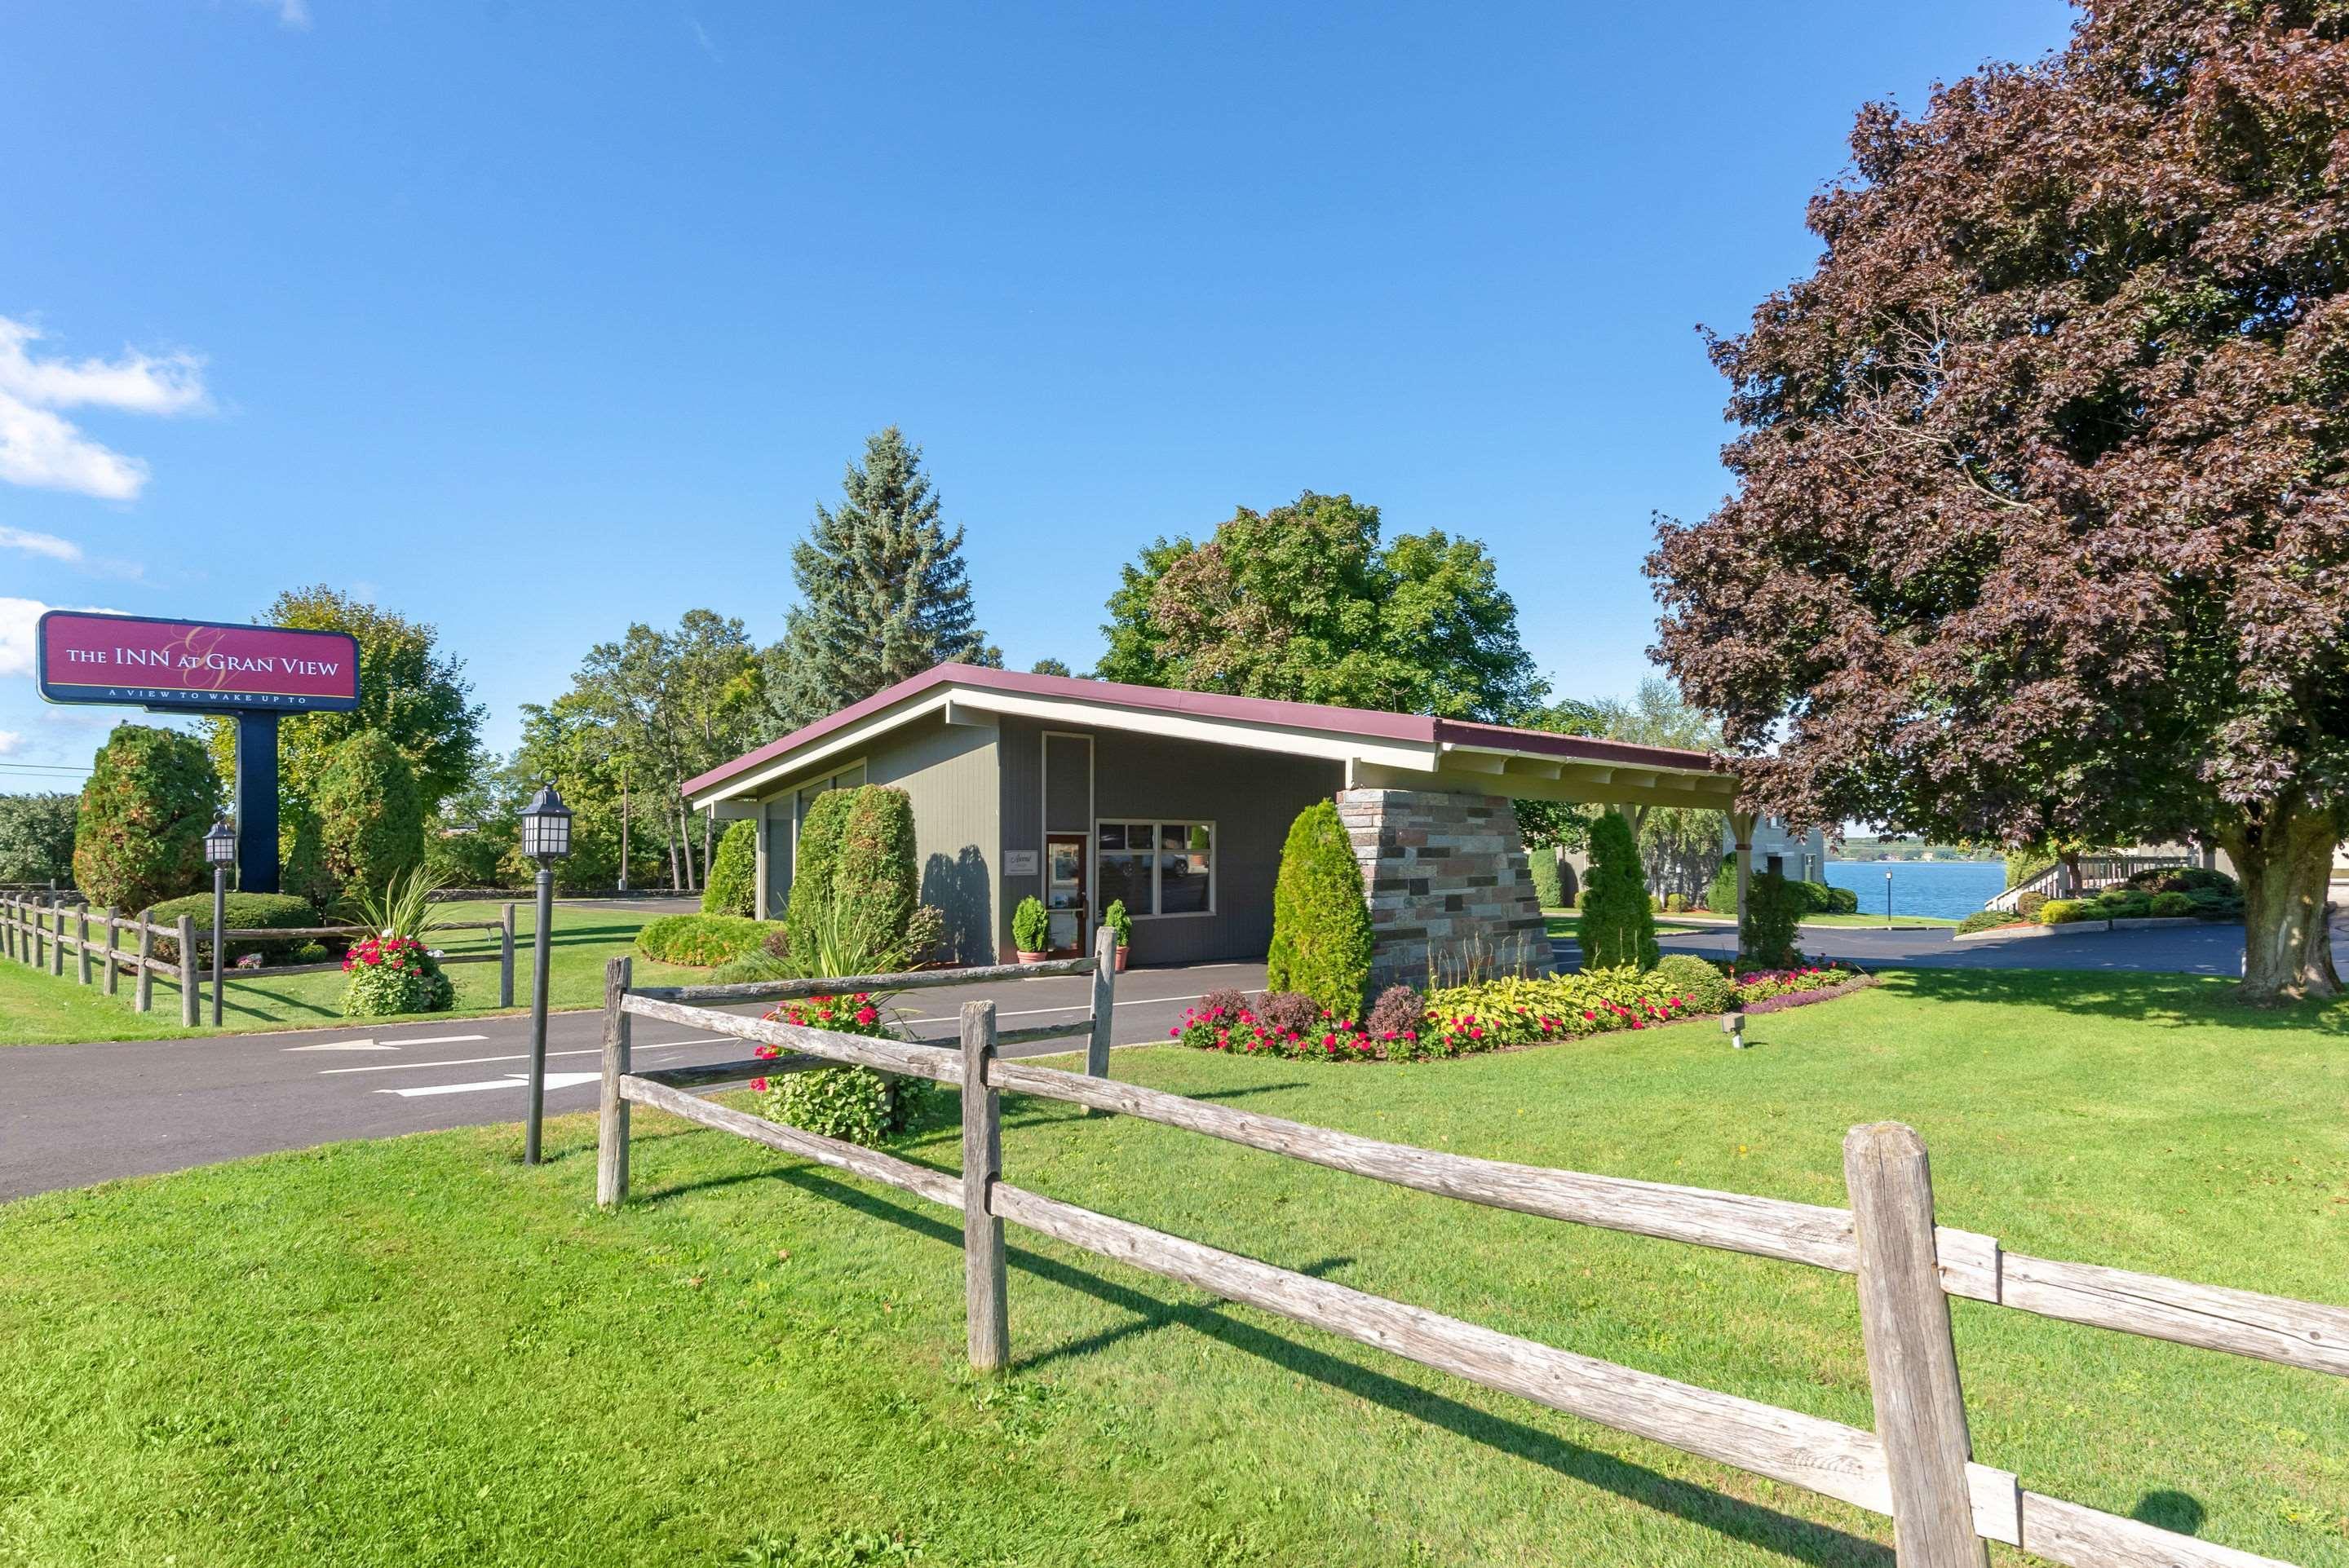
(851, 1102)
(393, 974)
(1498, 1015)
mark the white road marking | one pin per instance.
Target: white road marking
(512, 1080)
(441, 1039)
(515, 1056)
(346, 1046)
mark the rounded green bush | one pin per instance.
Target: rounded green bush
(1705, 988)
(247, 911)
(875, 883)
(139, 834)
(2171, 905)
(1320, 924)
(1031, 925)
(1548, 887)
(370, 815)
(2067, 912)
(702, 941)
(733, 872)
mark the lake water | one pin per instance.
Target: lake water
(1951, 889)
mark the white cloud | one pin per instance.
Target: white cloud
(18, 617)
(10, 741)
(41, 449)
(31, 544)
(290, 13)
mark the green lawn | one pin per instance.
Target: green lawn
(38, 1008)
(418, 1352)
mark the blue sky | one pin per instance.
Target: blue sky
(531, 319)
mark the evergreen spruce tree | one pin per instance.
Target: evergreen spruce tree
(883, 594)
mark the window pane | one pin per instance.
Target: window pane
(1183, 874)
(1126, 875)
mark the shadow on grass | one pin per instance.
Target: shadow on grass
(2163, 1000)
(1749, 1522)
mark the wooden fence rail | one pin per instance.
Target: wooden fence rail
(33, 930)
(1916, 1466)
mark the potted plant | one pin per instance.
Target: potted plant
(1121, 924)
(1032, 928)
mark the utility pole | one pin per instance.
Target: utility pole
(624, 824)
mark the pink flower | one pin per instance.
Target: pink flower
(758, 1086)
(865, 1014)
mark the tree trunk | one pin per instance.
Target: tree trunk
(2285, 864)
(2075, 884)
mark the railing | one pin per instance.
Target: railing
(1916, 1466)
(33, 930)
(2095, 872)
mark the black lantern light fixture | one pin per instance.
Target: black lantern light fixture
(220, 854)
(547, 826)
(546, 839)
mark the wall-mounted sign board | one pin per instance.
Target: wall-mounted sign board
(1020, 862)
(212, 666)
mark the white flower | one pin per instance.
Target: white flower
(388, 932)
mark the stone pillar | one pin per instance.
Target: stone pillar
(1444, 875)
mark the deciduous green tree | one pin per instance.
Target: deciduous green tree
(410, 691)
(36, 837)
(139, 835)
(2041, 526)
(1304, 603)
(883, 590)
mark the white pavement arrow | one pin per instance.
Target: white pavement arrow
(346, 1046)
(514, 1080)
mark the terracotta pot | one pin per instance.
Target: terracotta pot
(1121, 957)
(1027, 957)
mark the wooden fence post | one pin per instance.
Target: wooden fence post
(142, 984)
(505, 966)
(612, 1126)
(986, 1298)
(186, 971)
(57, 936)
(1912, 1361)
(1104, 1003)
(8, 924)
(113, 952)
(81, 944)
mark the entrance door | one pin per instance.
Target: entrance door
(1065, 891)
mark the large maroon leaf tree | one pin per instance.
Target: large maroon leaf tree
(2041, 528)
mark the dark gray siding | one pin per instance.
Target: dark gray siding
(1250, 796)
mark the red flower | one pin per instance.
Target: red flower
(865, 1014)
(758, 1086)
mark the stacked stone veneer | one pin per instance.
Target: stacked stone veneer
(1444, 873)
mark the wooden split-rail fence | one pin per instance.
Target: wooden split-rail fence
(1916, 1466)
(35, 930)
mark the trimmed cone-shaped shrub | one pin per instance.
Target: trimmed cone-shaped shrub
(138, 836)
(874, 886)
(809, 912)
(733, 872)
(1320, 924)
(1618, 922)
(370, 815)
(1770, 926)
(1548, 888)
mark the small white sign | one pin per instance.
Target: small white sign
(1020, 862)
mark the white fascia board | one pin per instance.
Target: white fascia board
(760, 782)
(1282, 739)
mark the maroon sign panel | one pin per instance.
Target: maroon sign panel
(213, 666)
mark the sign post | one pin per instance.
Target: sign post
(254, 675)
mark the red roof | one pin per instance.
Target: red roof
(1369, 722)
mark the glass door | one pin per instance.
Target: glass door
(1064, 892)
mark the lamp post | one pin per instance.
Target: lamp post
(546, 839)
(1888, 898)
(220, 854)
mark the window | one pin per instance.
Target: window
(1159, 868)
